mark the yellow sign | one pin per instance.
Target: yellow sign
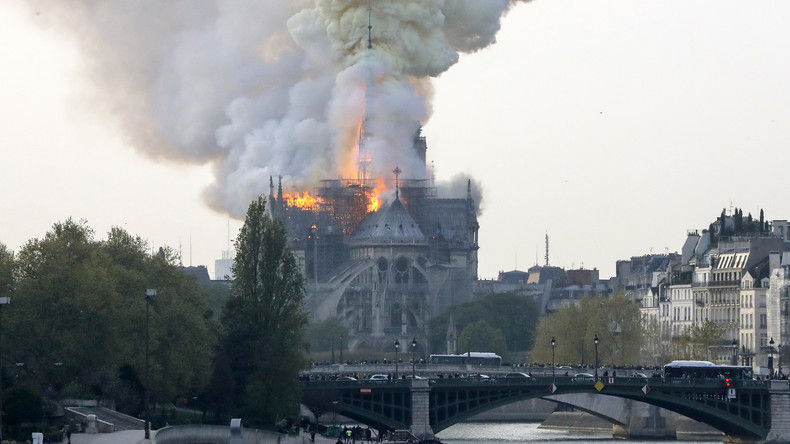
(599, 386)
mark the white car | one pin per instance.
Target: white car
(379, 377)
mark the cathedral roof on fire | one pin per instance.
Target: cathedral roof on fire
(390, 225)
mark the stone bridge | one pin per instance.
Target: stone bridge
(759, 411)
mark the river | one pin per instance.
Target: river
(515, 433)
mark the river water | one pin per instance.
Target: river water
(516, 433)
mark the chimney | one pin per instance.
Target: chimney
(774, 259)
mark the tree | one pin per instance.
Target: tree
(323, 335)
(481, 337)
(703, 336)
(263, 321)
(22, 405)
(616, 321)
(515, 315)
(78, 303)
(6, 271)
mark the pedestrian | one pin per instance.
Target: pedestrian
(312, 435)
(68, 434)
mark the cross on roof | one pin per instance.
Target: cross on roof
(397, 172)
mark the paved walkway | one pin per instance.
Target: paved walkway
(124, 437)
(136, 437)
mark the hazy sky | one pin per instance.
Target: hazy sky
(615, 125)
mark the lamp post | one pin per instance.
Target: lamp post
(595, 340)
(771, 358)
(149, 294)
(779, 347)
(553, 344)
(3, 301)
(734, 352)
(397, 346)
(413, 349)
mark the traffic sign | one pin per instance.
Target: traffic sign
(599, 386)
(365, 390)
(646, 389)
(731, 393)
(553, 388)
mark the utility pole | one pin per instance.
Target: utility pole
(3, 301)
(149, 293)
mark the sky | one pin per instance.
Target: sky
(612, 125)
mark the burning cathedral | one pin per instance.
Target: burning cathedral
(384, 267)
(382, 254)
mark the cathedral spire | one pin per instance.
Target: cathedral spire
(370, 24)
(397, 172)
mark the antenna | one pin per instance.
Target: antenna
(190, 248)
(370, 24)
(547, 249)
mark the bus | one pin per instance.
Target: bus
(471, 358)
(706, 369)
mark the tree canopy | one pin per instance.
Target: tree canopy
(515, 316)
(77, 315)
(615, 320)
(479, 336)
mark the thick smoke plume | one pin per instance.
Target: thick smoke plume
(271, 87)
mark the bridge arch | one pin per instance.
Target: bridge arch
(454, 400)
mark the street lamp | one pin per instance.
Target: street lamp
(149, 294)
(771, 358)
(413, 349)
(397, 346)
(734, 352)
(595, 340)
(553, 344)
(3, 301)
(779, 347)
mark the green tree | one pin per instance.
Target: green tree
(616, 321)
(703, 336)
(515, 316)
(22, 405)
(323, 335)
(78, 310)
(481, 337)
(6, 271)
(263, 322)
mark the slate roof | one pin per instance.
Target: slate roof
(389, 225)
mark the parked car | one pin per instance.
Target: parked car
(379, 378)
(583, 377)
(346, 378)
(517, 375)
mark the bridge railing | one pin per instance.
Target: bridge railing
(541, 380)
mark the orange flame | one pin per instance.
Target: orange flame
(374, 200)
(304, 200)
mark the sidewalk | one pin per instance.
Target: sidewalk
(124, 437)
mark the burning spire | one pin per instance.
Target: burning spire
(364, 159)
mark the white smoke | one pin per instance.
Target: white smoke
(270, 87)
